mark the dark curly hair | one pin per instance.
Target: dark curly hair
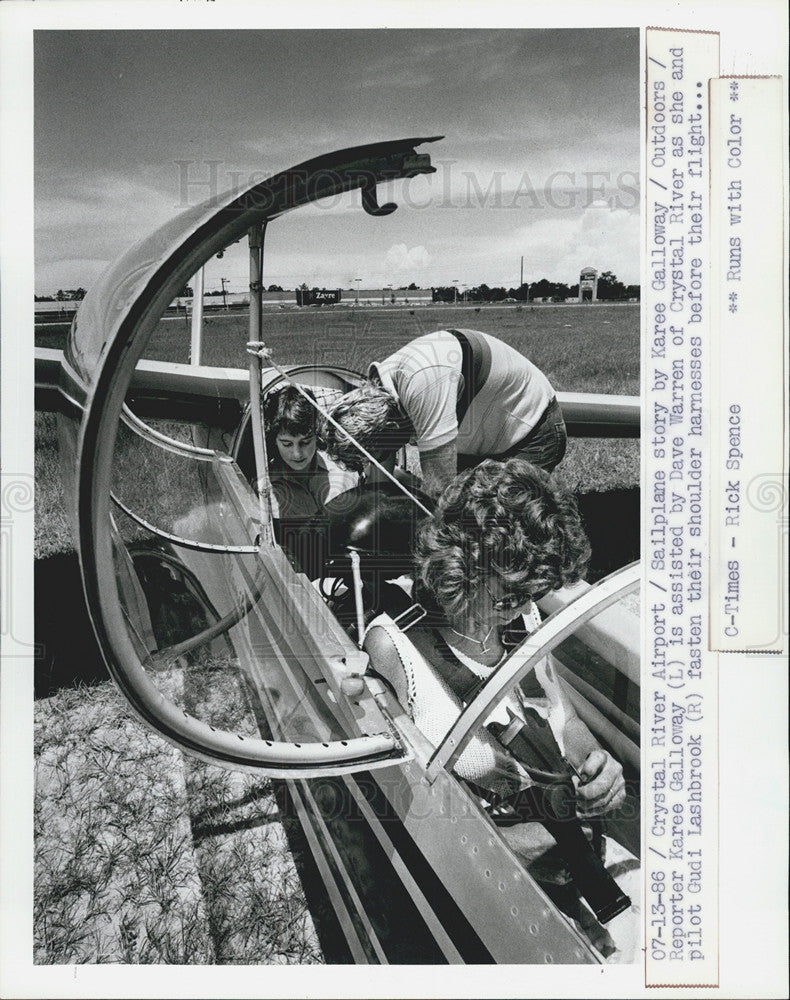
(287, 411)
(502, 518)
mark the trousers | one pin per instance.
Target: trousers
(544, 446)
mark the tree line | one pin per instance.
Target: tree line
(63, 295)
(610, 289)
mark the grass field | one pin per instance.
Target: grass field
(580, 348)
(143, 855)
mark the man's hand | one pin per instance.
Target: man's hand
(602, 786)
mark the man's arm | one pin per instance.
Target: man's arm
(438, 467)
(428, 396)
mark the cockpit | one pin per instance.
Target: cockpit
(237, 632)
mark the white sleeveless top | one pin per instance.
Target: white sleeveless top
(434, 707)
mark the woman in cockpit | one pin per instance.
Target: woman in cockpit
(501, 537)
(303, 478)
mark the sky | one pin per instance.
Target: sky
(540, 155)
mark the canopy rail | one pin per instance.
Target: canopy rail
(187, 543)
(325, 753)
(163, 658)
(152, 436)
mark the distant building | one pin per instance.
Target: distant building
(318, 296)
(588, 284)
(388, 296)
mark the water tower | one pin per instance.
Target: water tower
(588, 284)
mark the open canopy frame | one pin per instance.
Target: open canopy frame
(109, 334)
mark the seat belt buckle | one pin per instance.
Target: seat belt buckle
(410, 617)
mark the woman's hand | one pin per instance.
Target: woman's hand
(602, 786)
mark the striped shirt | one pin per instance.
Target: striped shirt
(468, 387)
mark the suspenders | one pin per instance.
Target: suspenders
(475, 368)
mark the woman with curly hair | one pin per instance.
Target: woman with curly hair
(502, 535)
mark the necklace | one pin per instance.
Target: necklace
(478, 642)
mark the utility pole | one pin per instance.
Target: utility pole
(224, 296)
(521, 282)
